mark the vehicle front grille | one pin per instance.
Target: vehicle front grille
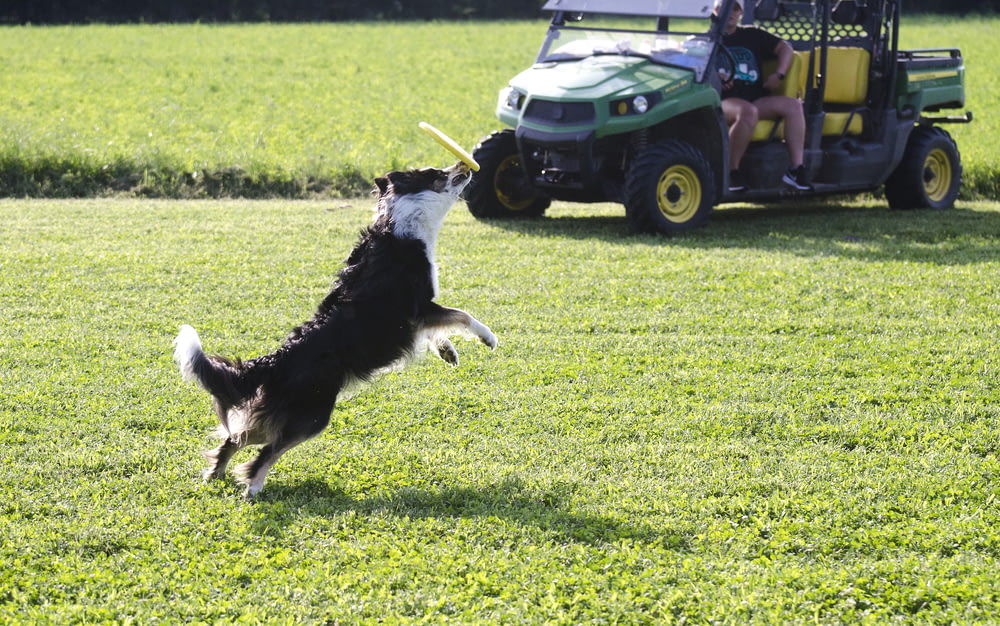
(548, 111)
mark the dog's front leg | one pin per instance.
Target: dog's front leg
(482, 331)
(444, 319)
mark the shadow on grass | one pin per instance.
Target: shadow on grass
(509, 500)
(808, 228)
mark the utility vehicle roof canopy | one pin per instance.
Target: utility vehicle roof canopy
(652, 8)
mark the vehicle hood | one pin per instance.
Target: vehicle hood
(597, 77)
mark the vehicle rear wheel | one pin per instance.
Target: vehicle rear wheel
(669, 188)
(500, 188)
(930, 173)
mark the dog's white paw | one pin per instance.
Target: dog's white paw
(483, 332)
(250, 487)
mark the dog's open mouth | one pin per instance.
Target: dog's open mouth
(462, 175)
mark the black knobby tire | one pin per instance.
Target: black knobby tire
(500, 188)
(669, 187)
(930, 173)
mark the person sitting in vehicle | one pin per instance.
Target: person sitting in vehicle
(746, 97)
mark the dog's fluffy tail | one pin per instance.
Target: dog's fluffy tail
(218, 376)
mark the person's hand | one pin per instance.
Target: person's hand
(727, 78)
(773, 81)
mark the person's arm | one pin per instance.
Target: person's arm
(784, 53)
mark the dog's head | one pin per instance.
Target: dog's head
(408, 182)
(416, 201)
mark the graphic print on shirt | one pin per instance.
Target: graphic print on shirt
(746, 65)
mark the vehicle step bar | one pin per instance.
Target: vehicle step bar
(946, 119)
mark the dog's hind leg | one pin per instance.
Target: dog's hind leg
(295, 431)
(219, 459)
(252, 473)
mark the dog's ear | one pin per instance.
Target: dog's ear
(381, 186)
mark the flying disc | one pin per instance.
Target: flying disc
(450, 145)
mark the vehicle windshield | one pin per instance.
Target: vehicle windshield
(686, 50)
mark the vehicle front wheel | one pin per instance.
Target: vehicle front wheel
(930, 173)
(669, 188)
(500, 188)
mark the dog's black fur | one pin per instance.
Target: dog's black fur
(380, 313)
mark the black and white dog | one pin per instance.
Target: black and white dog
(380, 313)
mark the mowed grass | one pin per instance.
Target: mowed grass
(308, 110)
(790, 416)
(245, 109)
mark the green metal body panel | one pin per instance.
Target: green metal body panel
(930, 81)
(602, 81)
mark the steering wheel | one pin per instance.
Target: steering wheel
(725, 64)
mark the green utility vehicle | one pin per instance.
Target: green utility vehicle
(622, 105)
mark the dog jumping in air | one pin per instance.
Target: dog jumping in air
(379, 315)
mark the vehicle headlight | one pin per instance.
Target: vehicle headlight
(512, 98)
(635, 105)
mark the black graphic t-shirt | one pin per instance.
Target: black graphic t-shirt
(751, 47)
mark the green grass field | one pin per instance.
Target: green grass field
(307, 110)
(791, 416)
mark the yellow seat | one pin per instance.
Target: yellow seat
(836, 124)
(846, 91)
(846, 76)
(765, 130)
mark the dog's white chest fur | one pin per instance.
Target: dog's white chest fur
(420, 216)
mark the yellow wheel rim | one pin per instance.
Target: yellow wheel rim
(678, 194)
(505, 181)
(937, 175)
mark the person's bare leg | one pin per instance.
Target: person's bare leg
(789, 109)
(742, 117)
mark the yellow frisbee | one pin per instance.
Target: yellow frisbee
(450, 145)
